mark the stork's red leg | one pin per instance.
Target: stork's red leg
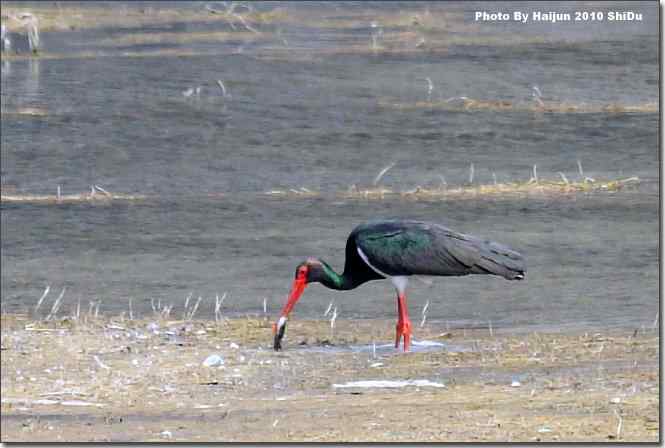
(398, 334)
(403, 323)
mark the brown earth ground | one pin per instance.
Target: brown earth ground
(115, 379)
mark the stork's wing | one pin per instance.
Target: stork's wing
(417, 248)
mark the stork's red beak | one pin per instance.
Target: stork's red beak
(279, 327)
(296, 291)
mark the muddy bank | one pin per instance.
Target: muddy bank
(105, 379)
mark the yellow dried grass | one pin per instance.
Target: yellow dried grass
(471, 104)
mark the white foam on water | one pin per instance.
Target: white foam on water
(80, 403)
(29, 401)
(427, 344)
(367, 384)
(383, 349)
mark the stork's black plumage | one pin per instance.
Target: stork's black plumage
(397, 249)
(403, 248)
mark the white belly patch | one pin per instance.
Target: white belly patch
(364, 257)
(400, 281)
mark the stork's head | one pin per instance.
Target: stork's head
(308, 271)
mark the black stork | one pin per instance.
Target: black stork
(397, 249)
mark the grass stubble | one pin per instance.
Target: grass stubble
(560, 187)
(86, 376)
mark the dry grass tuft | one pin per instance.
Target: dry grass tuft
(534, 186)
(25, 112)
(175, 38)
(95, 196)
(64, 16)
(443, 192)
(470, 104)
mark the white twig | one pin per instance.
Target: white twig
(382, 173)
(620, 424)
(472, 171)
(41, 299)
(424, 313)
(536, 91)
(581, 171)
(329, 308)
(56, 305)
(218, 306)
(102, 190)
(131, 312)
(165, 313)
(31, 25)
(186, 310)
(564, 178)
(377, 32)
(630, 179)
(191, 313)
(430, 87)
(244, 22)
(537, 95)
(100, 363)
(333, 318)
(453, 98)
(4, 41)
(213, 10)
(221, 86)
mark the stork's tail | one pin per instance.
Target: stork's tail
(500, 260)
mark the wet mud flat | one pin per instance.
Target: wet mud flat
(115, 379)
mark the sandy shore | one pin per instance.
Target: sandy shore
(105, 379)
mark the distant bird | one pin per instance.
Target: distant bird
(397, 249)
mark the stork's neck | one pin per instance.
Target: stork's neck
(331, 279)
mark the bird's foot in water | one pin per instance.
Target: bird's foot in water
(403, 329)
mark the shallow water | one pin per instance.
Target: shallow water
(384, 349)
(311, 118)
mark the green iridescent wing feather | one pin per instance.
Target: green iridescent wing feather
(417, 248)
